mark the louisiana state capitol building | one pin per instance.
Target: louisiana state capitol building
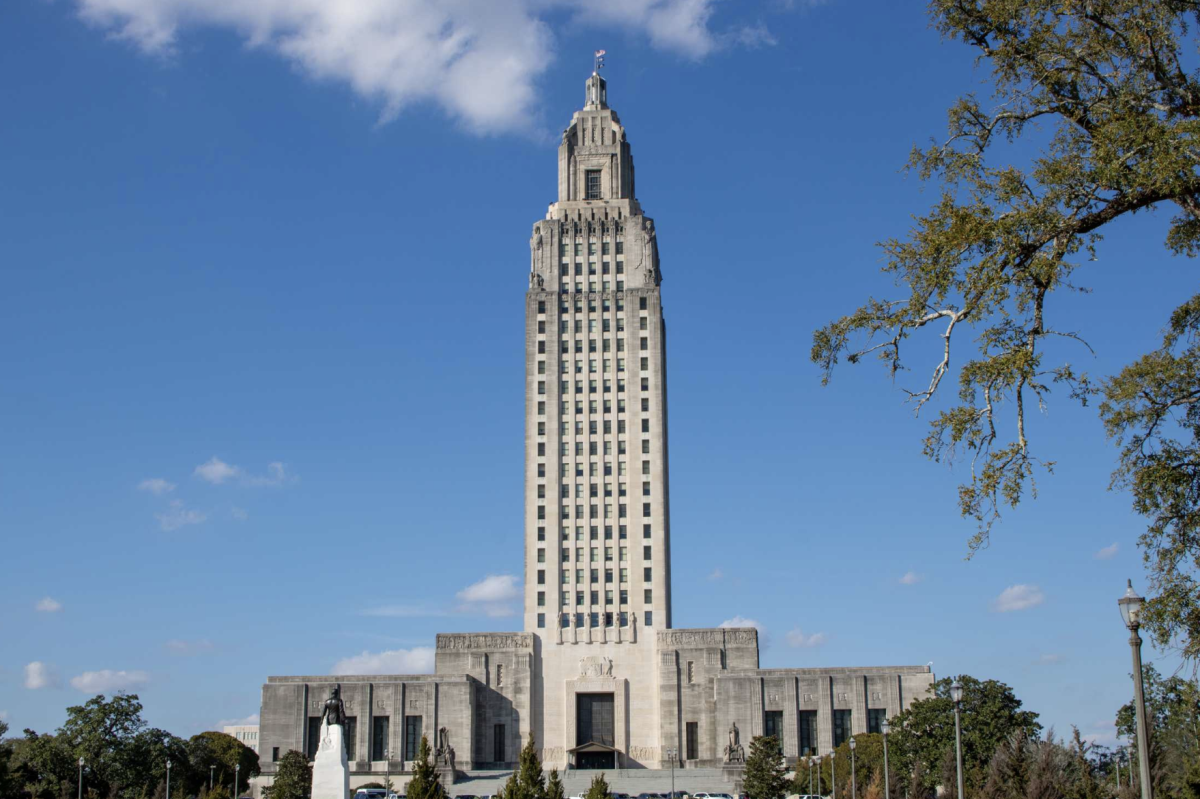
(598, 675)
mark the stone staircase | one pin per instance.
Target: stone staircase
(630, 781)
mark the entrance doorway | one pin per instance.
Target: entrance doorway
(594, 737)
(594, 760)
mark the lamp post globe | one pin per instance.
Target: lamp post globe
(833, 772)
(80, 778)
(1130, 605)
(168, 778)
(956, 694)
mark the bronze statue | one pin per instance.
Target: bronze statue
(734, 753)
(335, 709)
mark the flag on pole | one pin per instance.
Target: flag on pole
(600, 53)
(599, 58)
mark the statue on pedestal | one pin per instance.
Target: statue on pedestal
(335, 708)
(734, 753)
(444, 756)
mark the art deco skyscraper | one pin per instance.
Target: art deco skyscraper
(597, 507)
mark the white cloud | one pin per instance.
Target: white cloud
(797, 638)
(247, 721)
(107, 680)
(276, 475)
(178, 516)
(1107, 552)
(716, 574)
(215, 471)
(240, 514)
(911, 578)
(1048, 660)
(156, 485)
(3, 715)
(1018, 597)
(180, 647)
(48, 605)
(491, 595)
(477, 60)
(40, 675)
(418, 660)
(741, 621)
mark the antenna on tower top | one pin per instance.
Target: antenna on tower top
(598, 62)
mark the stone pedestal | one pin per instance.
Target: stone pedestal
(732, 773)
(445, 775)
(331, 772)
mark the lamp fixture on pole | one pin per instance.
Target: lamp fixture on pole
(1131, 613)
(853, 778)
(956, 693)
(168, 778)
(885, 728)
(81, 778)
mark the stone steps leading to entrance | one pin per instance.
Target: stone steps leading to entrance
(630, 781)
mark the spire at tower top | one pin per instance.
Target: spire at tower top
(597, 93)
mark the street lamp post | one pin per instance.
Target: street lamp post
(1131, 611)
(853, 778)
(885, 728)
(387, 776)
(210, 778)
(810, 793)
(236, 771)
(833, 772)
(168, 778)
(956, 692)
(81, 778)
(671, 757)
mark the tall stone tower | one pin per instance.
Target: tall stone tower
(597, 507)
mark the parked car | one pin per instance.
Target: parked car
(370, 793)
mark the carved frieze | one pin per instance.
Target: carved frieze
(595, 666)
(483, 641)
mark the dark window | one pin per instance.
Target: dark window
(594, 719)
(645, 531)
(808, 732)
(841, 727)
(274, 754)
(642, 303)
(350, 731)
(541, 576)
(693, 740)
(412, 736)
(379, 737)
(649, 618)
(773, 725)
(875, 717)
(541, 621)
(498, 744)
(593, 184)
(541, 306)
(541, 348)
(314, 736)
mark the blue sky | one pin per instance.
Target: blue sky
(276, 260)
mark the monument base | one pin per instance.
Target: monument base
(331, 771)
(732, 773)
(446, 775)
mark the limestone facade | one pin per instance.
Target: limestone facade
(597, 646)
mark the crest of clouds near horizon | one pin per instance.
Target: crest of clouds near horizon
(250, 720)
(40, 675)
(418, 660)
(107, 680)
(478, 60)
(48, 605)
(742, 621)
(1107, 552)
(797, 638)
(491, 595)
(911, 578)
(1018, 597)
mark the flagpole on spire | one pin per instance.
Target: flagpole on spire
(598, 62)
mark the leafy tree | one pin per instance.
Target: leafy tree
(765, 769)
(527, 782)
(225, 752)
(424, 783)
(1108, 81)
(1008, 771)
(1173, 709)
(924, 733)
(293, 780)
(598, 789)
(7, 776)
(554, 786)
(875, 786)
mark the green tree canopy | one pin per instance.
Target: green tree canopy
(424, 783)
(765, 769)
(1173, 707)
(554, 786)
(923, 734)
(527, 782)
(1112, 84)
(226, 753)
(598, 789)
(293, 780)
